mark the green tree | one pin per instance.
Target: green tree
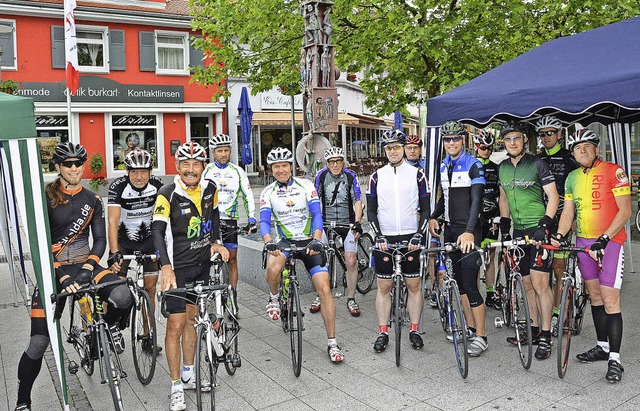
(401, 46)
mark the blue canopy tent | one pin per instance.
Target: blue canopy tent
(246, 115)
(588, 77)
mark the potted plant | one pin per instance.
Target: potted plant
(9, 86)
(96, 165)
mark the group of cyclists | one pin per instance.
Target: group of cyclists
(544, 197)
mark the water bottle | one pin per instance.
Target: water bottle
(285, 282)
(85, 308)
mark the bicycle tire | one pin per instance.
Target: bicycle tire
(144, 338)
(206, 369)
(638, 218)
(501, 288)
(366, 273)
(581, 304)
(521, 320)
(397, 315)
(459, 330)
(295, 328)
(331, 260)
(109, 370)
(565, 326)
(231, 330)
(442, 308)
(80, 339)
(283, 300)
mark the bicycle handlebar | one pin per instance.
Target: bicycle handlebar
(141, 257)
(565, 248)
(88, 288)
(198, 288)
(511, 243)
(448, 248)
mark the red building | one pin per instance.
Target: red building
(135, 89)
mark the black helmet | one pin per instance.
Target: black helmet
(453, 128)
(392, 136)
(513, 126)
(68, 150)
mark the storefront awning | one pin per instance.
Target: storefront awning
(283, 118)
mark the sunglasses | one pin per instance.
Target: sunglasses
(483, 148)
(71, 163)
(547, 133)
(392, 148)
(451, 139)
(338, 161)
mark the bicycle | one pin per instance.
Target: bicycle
(143, 323)
(335, 254)
(513, 297)
(449, 302)
(572, 304)
(638, 212)
(89, 334)
(217, 332)
(289, 299)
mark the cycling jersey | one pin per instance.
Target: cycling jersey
(594, 195)
(70, 223)
(295, 207)
(523, 184)
(462, 182)
(561, 163)
(136, 207)
(232, 182)
(189, 220)
(338, 195)
(491, 186)
(394, 200)
(420, 163)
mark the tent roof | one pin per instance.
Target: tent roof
(593, 76)
(16, 117)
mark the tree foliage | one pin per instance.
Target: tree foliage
(402, 47)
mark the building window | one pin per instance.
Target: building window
(133, 131)
(92, 49)
(172, 53)
(200, 132)
(8, 45)
(50, 130)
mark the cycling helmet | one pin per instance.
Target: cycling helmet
(138, 159)
(453, 128)
(220, 140)
(279, 155)
(489, 208)
(513, 126)
(414, 139)
(191, 151)
(548, 122)
(581, 136)
(393, 136)
(333, 152)
(484, 137)
(67, 150)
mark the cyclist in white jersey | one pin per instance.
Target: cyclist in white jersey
(232, 183)
(294, 204)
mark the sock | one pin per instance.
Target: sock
(614, 331)
(331, 341)
(413, 327)
(615, 356)
(187, 372)
(176, 385)
(472, 330)
(546, 335)
(600, 322)
(28, 371)
(535, 330)
(604, 345)
(274, 296)
(556, 311)
(484, 338)
(384, 329)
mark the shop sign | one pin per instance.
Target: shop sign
(103, 90)
(272, 100)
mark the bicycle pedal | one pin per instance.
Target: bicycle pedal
(123, 375)
(73, 367)
(236, 361)
(338, 295)
(498, 322)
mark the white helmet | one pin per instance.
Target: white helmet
(484, 137)
(581, 136)
(220, 140)
(138, 159)
(191, 151)
(279, 155)
(548, 122)
(333, 152)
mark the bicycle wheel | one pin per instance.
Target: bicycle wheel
(231, 330)
(366, 273)
(521, 320)
(143, 338)
(502, 289)
(295, 328)
(206, 368)
(110, 374)
(331, 262)
(442, 308)
(580, 306)
(565, 327)
(397, 315)
(79, 335)
(638, 218)
(459, 330)
(284, 301)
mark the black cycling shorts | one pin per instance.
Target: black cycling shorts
(313, 263)
(193, 274)
(535, 258)
(383, 261)
(145, 247)
(229, 232)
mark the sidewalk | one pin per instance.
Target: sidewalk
(427, 379)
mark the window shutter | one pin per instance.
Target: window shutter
(117, 51)
(6, 42)
(196, 56)
(147, 43)
(57, 47)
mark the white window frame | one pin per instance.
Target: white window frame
(105, 48)
(184, 47)
(15, 46)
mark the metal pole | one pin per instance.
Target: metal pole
(293, 133)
